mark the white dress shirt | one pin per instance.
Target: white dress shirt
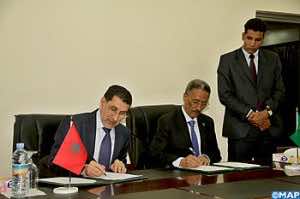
(197, 131)
(100, 133)
(246, 54)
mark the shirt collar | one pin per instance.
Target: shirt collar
(246, 54)
(99, 123)
(186, 116)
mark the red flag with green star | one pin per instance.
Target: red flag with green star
(72, 154)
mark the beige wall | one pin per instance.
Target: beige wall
(58, 56)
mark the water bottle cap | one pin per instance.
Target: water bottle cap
(20, 145)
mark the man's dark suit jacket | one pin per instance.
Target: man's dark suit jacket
(239, 93)
(172, 139)
(86, 125)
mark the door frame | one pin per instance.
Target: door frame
(278, 16)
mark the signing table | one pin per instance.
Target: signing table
(173, 184)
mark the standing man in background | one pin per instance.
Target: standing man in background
(105, 139)
(250, 87)
(186, 137)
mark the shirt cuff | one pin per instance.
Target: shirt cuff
(248, 114)
(176, 163)
(83, 172)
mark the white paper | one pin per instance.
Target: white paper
(208, 168)
(237, 165)
(117, 176)
(65, 180)
(31, 193)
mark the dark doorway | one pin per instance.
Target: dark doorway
(289, 54)
(283, 37)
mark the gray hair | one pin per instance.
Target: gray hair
(197, 84)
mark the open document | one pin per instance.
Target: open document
(65, 180)
(237, 165)
(110, 178)
(208, 169)
(221, 167)
(117, 176)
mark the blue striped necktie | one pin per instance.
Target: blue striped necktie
(194, 138)
(105, 149)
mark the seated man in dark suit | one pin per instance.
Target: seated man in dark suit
(186, 137)
(105, 139)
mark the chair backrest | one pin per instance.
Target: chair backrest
(37, 132)
(142, 121)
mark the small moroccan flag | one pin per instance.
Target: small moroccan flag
(72, 154)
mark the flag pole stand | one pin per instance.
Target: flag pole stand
(66, 190)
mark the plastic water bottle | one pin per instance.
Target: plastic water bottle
(20, 172)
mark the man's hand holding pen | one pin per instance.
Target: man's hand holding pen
(192, 161)
(93, 169)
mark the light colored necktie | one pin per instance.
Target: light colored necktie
(194, 138)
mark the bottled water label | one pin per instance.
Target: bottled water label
(20, 180)
(20, 169)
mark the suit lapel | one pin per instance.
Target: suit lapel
(243, 65)
(202, 126)
(183, 127)
(91, 129)
(117, 142)
(262, 62)
(87, 130)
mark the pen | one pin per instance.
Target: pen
(192, 150)
(104, 173)
(103, 170)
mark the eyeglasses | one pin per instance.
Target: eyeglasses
(114, 111)
(199, 102)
